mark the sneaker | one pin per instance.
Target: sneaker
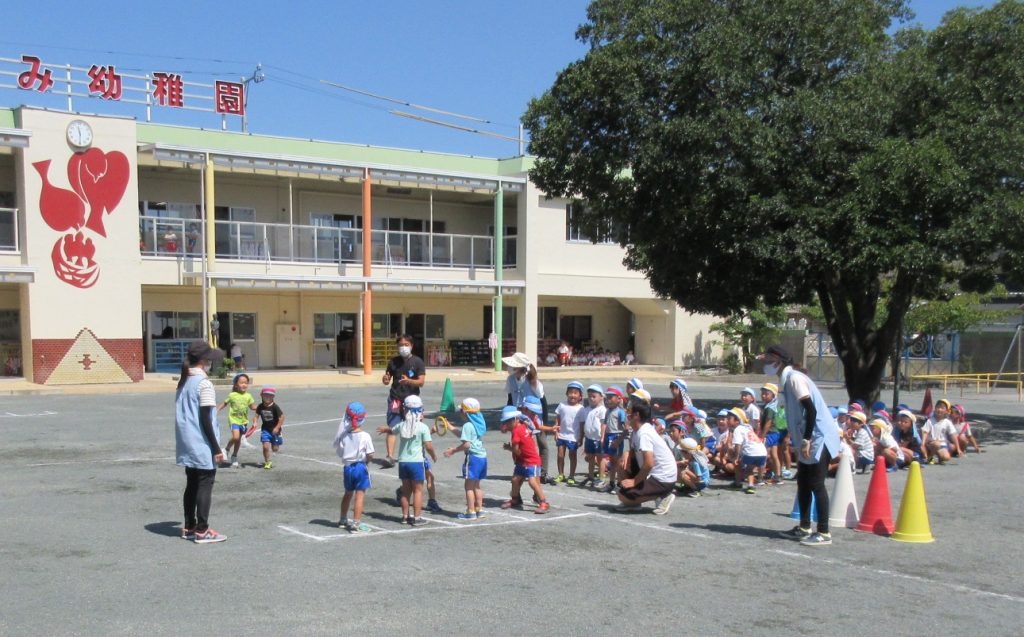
(345, 524)
(796, 533)
(268, 465)
(570, 482)
(247, 444)
(586, 481)
(600, 484)
(417, 521)
(481, 514)
(787, 474)
(817, 539)
(468, 515)
(663, 504)
(509, 504)
(542, 508)
(188, 534)
(234, 464)
(750, 490)
(761, 483)
(433, 506)
(560, 478)
(209, 536)
(693, 494)
(358, 528)
(735, 485)
(933, 461)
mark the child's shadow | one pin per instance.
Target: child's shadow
(731, 529)
(322, 522)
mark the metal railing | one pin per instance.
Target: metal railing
(319, 244)
(9, 230)
(987, 380)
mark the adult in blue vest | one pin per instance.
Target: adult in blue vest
(815, 435)
(197, 442)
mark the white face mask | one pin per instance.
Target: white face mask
(207, 366)
(405, 351)
(771, 369)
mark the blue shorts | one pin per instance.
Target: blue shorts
(593, 447)
(709, 446)
(411, 471)
(571, 445)
(238, 427)
(772, 439)
(783, 435)
(357, 478)
(754, 461)
(266, 436)
(531, 471)
(700, 486)
(475, 467)
(609, 448)
(426, 463)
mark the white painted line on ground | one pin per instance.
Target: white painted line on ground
(8, 414)
(423, 529)
(623, 518)
(54, 464)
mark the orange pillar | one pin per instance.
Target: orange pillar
(367, 272)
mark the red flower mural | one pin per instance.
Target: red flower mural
(98, 181)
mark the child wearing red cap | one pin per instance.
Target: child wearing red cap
(270, 414)
(355, 448)
(965, 434)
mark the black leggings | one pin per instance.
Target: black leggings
(810, 478)
(198, 494)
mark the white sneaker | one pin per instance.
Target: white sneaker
(234, 464)
(247, 444)
(663, 504)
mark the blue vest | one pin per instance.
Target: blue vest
(191, 447)
(826, 432)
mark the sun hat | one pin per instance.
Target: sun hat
(659, 421)
(577, 385)
(688, 444)
(690, 410)
(722, 413)
(678, 424)
(517, 360)
(533, 404)
(949, 405)
(597, 389)
(680, 383)
(508, 412)
(777, 350)
(772, 387)
(739, 413)
(882, 425)
(642, 394)
(469, 406)
(748, 390)
(859, 416)
(614, 390)
(635, 383)
(843, 410)
(907, 413)
(702, 415)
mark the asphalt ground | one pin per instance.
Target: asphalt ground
(91, 507)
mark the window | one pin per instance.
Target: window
(177, 325)
(434, 326)
(577, 228)
(167, 210)
(547, 322)
(576, 329)
(508, 325)
(386, 325)
(243, 326)
(331, 326)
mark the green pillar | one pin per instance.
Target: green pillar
(499, 269)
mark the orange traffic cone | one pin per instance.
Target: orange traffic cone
(912, 523)
(877, 513)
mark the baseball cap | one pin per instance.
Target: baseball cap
(722, 413)
(843, 410)
(577, 385)
(748, 390)
(268, 391)
(597, 389)
(355, 411)
(635, 383)
(614, 390)
(679, 424)
(949, 405)
(469, 406)
(691, 410)
(508, 412)
(859, 416)
(659, 422)
(702, 415)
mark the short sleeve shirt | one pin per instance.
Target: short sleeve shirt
(269, 416)
(412, 367)
(528, 454)
(568, 425)
(613, 420)
(476, 445)
(664, 469)
(355, 446)
(411, 449)
(238, 407)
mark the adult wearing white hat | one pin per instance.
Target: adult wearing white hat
(816, 438)
(522, 382)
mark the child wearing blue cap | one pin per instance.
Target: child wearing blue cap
(475, 466)
(592, 416)
(526, 458)
(569, 431)
(270, 414)
(355, 448)
(611, 438)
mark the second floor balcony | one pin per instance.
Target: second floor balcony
(250, 241)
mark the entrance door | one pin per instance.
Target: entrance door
(239, 328)
(346, 340)
(415, 326)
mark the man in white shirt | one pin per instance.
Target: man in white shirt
(656, 472)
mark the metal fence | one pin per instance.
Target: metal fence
(924, 355)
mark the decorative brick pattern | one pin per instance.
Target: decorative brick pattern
(87, 360)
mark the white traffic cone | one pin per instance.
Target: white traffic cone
(842, 510)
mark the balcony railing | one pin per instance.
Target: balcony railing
(319, 244)
(8, 230)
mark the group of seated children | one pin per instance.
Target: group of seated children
(565, 355)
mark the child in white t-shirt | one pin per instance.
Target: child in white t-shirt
(885, 445)
(569, 433)
(591, 419)
(861, 441)
(750, 408)
(940, 436)
(355, 448)
(965, 435)
(749, 448)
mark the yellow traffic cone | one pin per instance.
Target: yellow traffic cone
(912, 523)
(447, 396)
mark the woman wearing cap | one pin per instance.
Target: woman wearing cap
(521, 383)
(815, 437)
(197, 445)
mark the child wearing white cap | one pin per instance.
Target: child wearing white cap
(475, 466)
(749, 449)
(749, 400)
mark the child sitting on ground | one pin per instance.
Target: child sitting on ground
(940, 436)
(355, 448)
(965, 435)
(885, 444)
(907, 435)
(749, 448)
(695, 472)
(861, 441)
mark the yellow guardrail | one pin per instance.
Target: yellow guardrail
(988, 380)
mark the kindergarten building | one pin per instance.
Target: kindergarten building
(122, 241)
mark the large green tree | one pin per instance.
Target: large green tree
(774, 149)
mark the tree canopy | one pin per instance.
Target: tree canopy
(765, 151)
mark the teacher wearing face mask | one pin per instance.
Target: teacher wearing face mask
(406, 373)
(523, 382)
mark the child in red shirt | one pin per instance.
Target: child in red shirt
(527, 461)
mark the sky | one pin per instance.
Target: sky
(481, 58)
